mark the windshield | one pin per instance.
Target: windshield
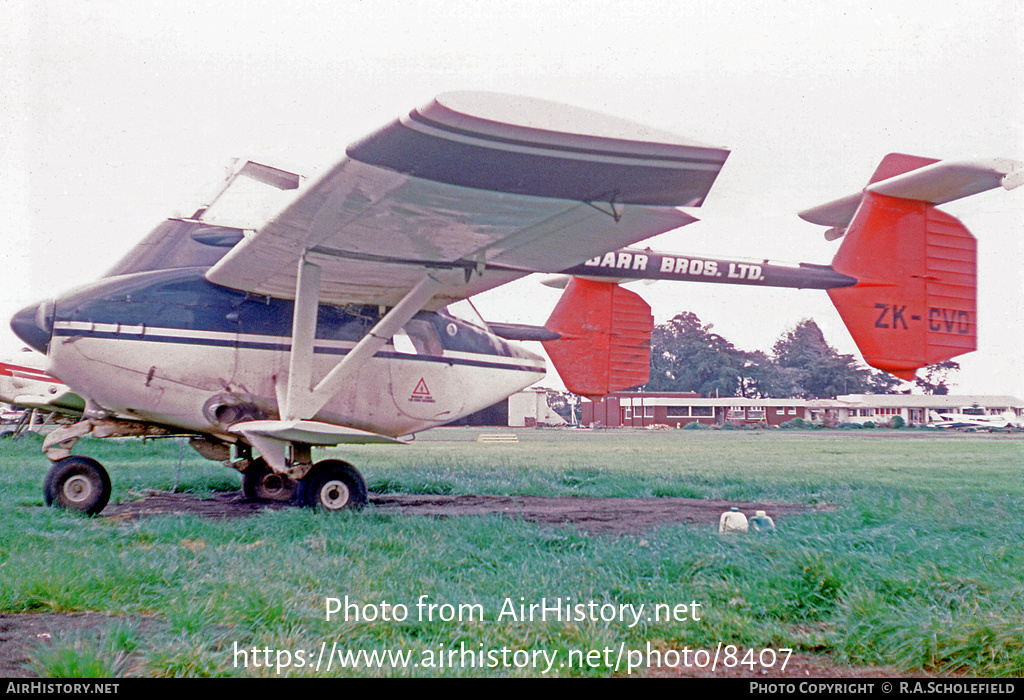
(249, 196)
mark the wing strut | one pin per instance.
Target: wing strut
(302, 400)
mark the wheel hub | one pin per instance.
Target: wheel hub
(77, 489)
(273, 486)
(334, 495)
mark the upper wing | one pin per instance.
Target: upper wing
(477, 189)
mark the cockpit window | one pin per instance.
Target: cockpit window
(249, 196)
(418, 337)
(465, 311)
(170, 245)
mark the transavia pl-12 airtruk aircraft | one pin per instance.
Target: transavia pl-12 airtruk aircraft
(329, 323)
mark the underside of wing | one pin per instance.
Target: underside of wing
(475, 189)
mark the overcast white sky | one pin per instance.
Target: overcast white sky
(117, 114)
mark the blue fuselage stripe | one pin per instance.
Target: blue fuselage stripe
(155, 337)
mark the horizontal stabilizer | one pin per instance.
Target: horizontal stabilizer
(922, 180)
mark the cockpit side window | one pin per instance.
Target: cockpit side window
(418, 337)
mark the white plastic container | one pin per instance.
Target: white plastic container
(762, 524)
(732, 521)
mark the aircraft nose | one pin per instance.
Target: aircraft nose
(34, 325)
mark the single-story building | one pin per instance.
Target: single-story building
(529, 408)
(640, 410)
(674, 409)
(914, 409)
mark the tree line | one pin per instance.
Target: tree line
(686, 355)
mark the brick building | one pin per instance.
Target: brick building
(640, 410)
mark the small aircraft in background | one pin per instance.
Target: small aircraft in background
(973, 418)
(37, 397)
(336, 319)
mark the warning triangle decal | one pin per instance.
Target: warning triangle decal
(421, 392)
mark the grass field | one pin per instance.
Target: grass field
(920, 565)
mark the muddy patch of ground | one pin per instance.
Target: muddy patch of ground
(604, 516)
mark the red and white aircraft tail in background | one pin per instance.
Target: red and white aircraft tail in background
(333, 322)
(38, 397)
(29, 387)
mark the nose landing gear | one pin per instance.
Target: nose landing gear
(77, 483)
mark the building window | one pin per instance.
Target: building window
(627, 414)
(702, 411)
(678, 411)
(792, 411)
(755, 413)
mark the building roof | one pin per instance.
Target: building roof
(929, 400)
(667, 399)
(925, 401)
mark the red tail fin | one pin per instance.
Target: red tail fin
(898, 163)
(915, 302)
(606, 338)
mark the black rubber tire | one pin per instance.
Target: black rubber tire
(261, 483)
(333, 485)
(77, 483)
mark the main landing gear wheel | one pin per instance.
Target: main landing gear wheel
(333, 485)
(261, 483)
(77, 483)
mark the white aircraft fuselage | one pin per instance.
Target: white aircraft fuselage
(165, 346)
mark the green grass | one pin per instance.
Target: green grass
(93, 655)
(919, 566)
